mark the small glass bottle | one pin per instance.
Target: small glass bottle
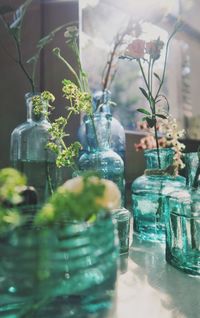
(148, 195)
(99, 157)
(29, 153)
(101, 103)
(122, 217)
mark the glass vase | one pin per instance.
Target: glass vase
(191, 165)
(29, 154)
(59, 273)
(99, 157)
(183, 230)
(101, 103)
(148, 195)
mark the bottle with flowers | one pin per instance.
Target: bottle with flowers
(162, 155)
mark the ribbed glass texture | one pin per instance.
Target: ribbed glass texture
(148, 195)
(70, 272)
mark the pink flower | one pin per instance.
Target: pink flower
(153, 48)
(136, 49)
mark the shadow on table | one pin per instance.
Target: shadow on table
(182, 291)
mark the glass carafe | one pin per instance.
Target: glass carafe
(101, 103)
(29, 153)
(99, 157)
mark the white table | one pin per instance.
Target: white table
(151, 288)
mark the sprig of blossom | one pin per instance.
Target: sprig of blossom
(41, 103)
(148, 53)
(71, 201)
(171, 134)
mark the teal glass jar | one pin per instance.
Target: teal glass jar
(183, 230)
(29, 154)
(148, 195)
(99, 157)
(59, 273)
(102, 103)
(191, 165)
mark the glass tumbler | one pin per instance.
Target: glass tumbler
(183, 231)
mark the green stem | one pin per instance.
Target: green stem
(157, 145)
(70, 69)
(145, 80)
(22, 65)
(165, 63)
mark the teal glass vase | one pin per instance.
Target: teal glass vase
(61, 272)
(102, 103)
(191, 165)
(29, 153)
(148, 195)
(99, 157)
(183, 230)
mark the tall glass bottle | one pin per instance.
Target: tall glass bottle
(148, 195)
(101, 103)
(29, 154)
(99, 156)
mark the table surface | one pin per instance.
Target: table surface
(151, 288)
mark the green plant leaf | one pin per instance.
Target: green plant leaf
(144, 93)
(144, 111)
(161, 116)
(5, 9)
(151, 122)
(157, 76)
(18, 17)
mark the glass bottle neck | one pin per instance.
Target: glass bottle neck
(31, 116)
(166, 158)
(101, 101)
(98, 132)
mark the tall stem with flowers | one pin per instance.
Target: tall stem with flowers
(148, 53)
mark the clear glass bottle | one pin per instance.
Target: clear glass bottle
(99, 156)
(183, 230)
(148, 195)
(29, 154)
(101, 103)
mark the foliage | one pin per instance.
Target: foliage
(148, 53)
(14, 28)
(81, 198)
(11, 184)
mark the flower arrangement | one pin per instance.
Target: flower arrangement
(146, 55)
(168, 128)
(82, 199)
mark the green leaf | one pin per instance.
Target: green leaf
(5, 9)
(144, 92)
(157, 76)
(151, 122)
(18, 17)
(144, 111)
(161, 116)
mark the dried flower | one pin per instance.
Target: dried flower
(136, 49)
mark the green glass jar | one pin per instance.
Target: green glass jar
(29, 154)
(63, 272)
(148, 195)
